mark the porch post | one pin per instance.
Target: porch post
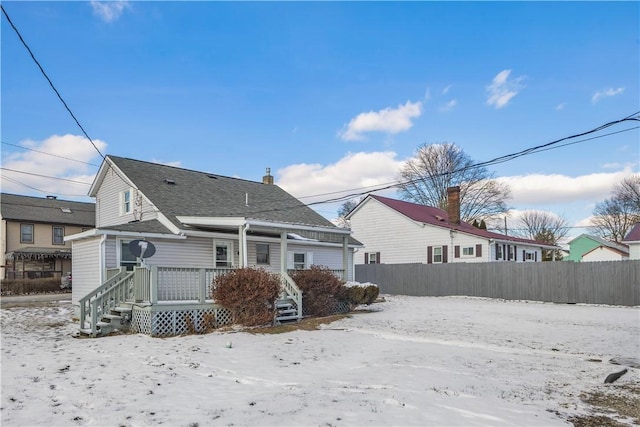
(202, 281)
(345, 258)
(242, 247)
(283, 251)
(154, 284)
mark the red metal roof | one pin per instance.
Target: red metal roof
(440, 218)
(633, 235)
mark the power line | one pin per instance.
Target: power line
(45, 176)
(48, 154)
(39, 190)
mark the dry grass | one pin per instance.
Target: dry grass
(610, 404)
(308, 324)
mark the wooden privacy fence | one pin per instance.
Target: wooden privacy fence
(610, 282)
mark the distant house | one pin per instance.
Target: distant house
(395, 231)
(585, 248)
(33, 231)
(632, 240)
(200, 225)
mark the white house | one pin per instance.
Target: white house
(195, 226)
(632, 240)
(397, 232)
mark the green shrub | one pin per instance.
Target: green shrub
(29, 286)
(321, 289)
(249, 294)
(356, 295)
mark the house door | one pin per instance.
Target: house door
(222, 252)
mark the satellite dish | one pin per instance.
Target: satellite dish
(141, 248)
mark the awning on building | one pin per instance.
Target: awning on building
(38, 254)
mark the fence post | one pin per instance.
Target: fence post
(154, 284)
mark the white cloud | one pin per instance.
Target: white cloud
(76, 161)
(538, 189)
(606, 93)
(387, 120)
(561, 106)
(502, 89)
(353, 171)
(446, 89)
(109, 11)
(448, 106)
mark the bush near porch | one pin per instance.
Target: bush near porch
(321, 289)
(250, 295)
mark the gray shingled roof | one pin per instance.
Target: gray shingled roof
(194, 193)
(43, 210)
(151, 226)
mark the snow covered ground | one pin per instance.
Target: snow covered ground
(412, 361)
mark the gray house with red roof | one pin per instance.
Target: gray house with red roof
(398, 232)
(632, 240)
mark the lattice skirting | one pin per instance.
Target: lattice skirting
(163, 322)
(339, 308)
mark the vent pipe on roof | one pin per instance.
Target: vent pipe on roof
(52, 197)
(246, 199)
(453, 204)
(268, 179)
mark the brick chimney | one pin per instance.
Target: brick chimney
(453, 204)
(268, 179)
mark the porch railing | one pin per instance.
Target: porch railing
(178, 284)
(119, 287)
(338, 273)
(292, 291)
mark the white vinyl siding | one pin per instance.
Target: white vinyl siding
(401, 240)
(85, 267)
(109, 203)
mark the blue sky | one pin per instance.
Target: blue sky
(331, 96)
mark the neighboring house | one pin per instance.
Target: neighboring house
(33, 231)
(201, 225)
(586, 248)
(394, 232)
(632, 240)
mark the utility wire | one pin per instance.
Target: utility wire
(39, 190)
(48, 154)
(45, 176)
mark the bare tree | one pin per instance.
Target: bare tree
(545, 227)
(614, 217)
(344, 210)
(434, 168)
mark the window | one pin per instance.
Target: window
(262, 253)
(372, 258)
(498, 251)
(468, 251)
(223, 253)
(299, 261)
(510, 250)
(126, 202)
(437, 254)
(127, 259)
(26, 233)
(58, 235)
(529, 256)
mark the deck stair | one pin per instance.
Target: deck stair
(286, 310)
(118, 319)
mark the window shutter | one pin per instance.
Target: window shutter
(289, 260)
(496, 246)
(524, 255)
(309, 260)
(445, 251)
(377, 257)
(515, 253)
(535, 257)
(366, 257)
(478, 251)
(456, 250)
(429, 254)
